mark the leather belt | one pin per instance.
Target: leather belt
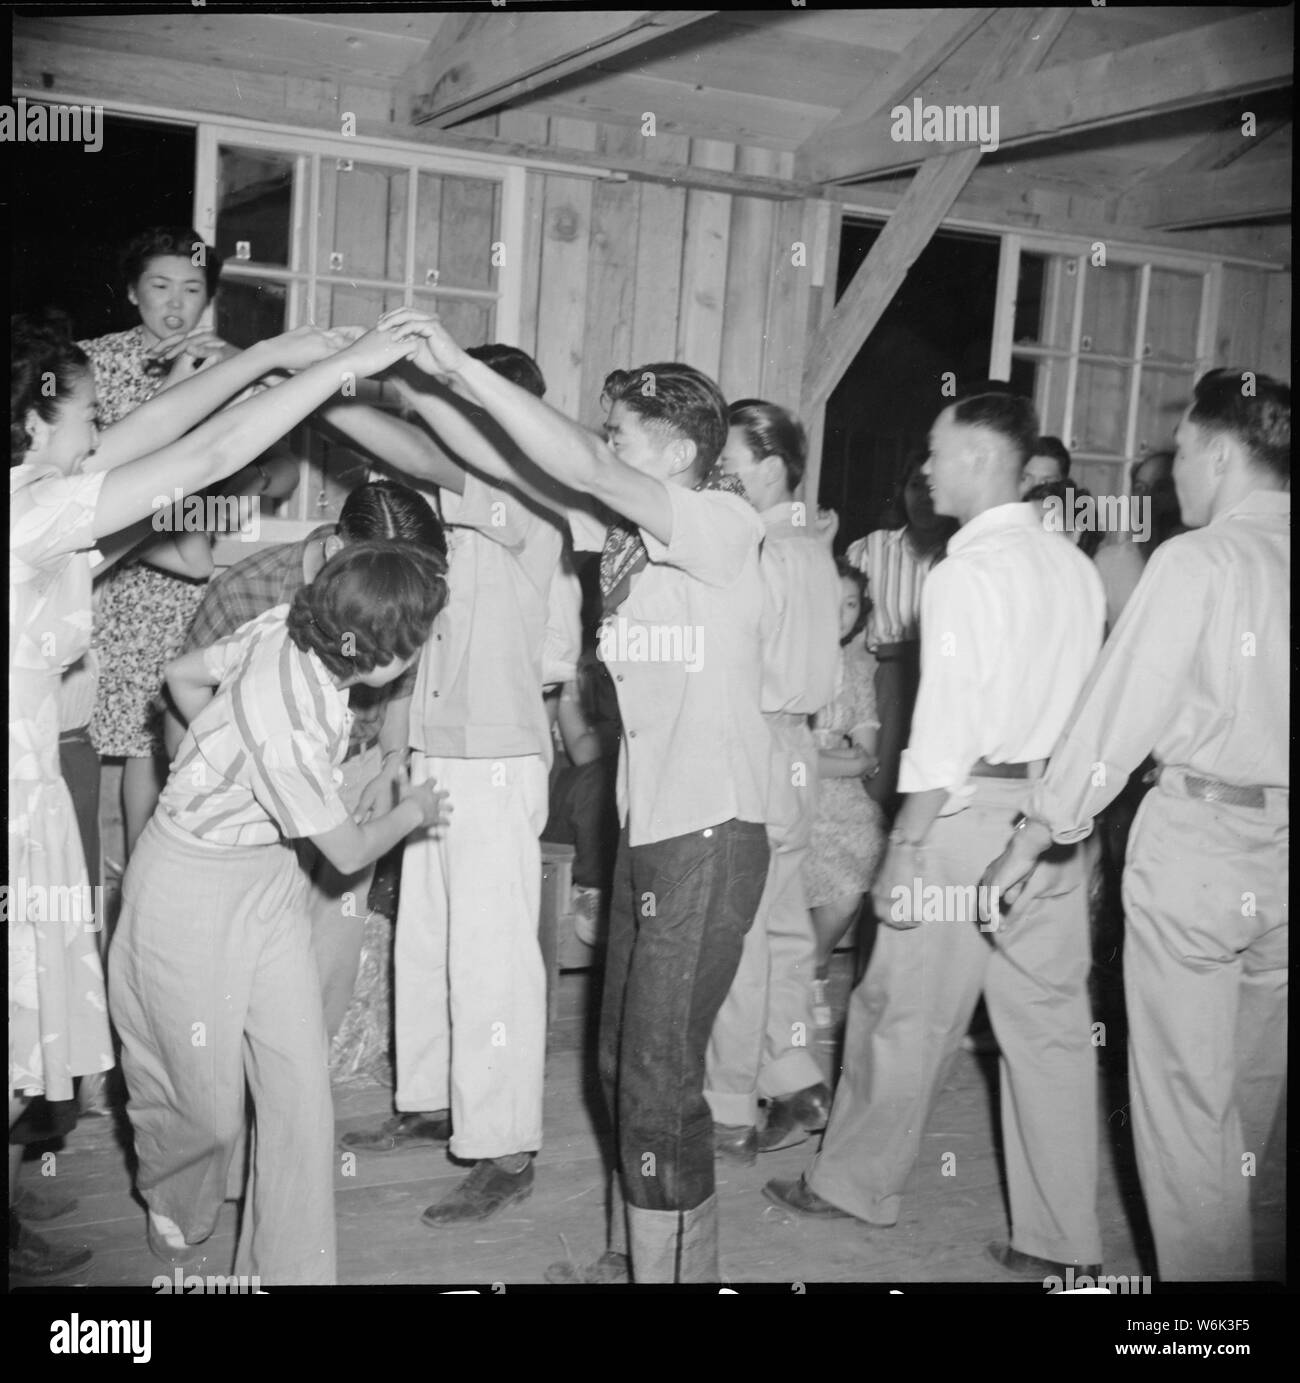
(1033, 768)
(1214, 790)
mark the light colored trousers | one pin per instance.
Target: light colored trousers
(908, 1016)
(211, 985)
(1205, 982)
(469, 982)
(761, 1042)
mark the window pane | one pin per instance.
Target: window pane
(1173, 311)
(1162, 397)
(1045, 296)
(470, 321)
(1100, 409)
(1044, 382)
(255, 205)
(362, 220)
(250, 310)
(332, 472)
(1110, 301)
(457, 223)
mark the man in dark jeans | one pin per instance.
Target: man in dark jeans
(683, 601)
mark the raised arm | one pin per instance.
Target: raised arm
(558, 446)
(230, 439)
(397, 443)
(175, 410)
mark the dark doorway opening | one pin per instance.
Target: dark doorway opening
(73, 211)
(940, 320)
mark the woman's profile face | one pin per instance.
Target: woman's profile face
(917, 501)
(850, 605)
(73, 435)
(171, 295)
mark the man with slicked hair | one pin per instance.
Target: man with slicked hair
(1195, 674)
(1011, 623)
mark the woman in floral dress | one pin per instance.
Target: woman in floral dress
(848, 834)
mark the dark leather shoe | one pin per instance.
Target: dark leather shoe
(1033, 1269)
(736, 1143)
(32, 1256)
(608, 1269)
(792, 1118)
(487, 1189)
(803, 1200)
(402, 1131)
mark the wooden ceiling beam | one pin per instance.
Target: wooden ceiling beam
(478, 62)
(1197, 67)
(818, 157)
(1248, 190)
(924, 205)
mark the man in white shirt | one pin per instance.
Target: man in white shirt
(1196, 674)
(1011, 624)
(682, 637)
(761, 1043)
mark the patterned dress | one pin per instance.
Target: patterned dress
(58, 1021)
(142, 613)
(848, 833)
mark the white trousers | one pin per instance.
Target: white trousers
(470, 985)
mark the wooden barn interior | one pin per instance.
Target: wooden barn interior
(611, 188)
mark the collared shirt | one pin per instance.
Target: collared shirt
(478, 692)
(259, 583)
(124, 378)
(260, 762)
(685, 651)
(1011, 623)
(801, 615)
(895, 580)
(563, 646)
(1195, 673)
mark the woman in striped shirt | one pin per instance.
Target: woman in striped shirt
(211, 980)
(896, 562)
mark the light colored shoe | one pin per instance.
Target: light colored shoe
(821, 1009)
(588, 906)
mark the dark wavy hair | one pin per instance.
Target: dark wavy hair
(513, 364)
(370, 603)
(849, 572)
(1260, 422)
(1166, 513)
(1009, 415)
(772, 431)
(41, 350)
(676, 399)
(182, 241)
(387, 509)
(1057, 450)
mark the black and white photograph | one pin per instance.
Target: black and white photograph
(650, 650)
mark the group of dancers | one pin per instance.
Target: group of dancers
(381, 686)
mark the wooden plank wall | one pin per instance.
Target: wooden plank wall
(623, 273)
(1254, 329)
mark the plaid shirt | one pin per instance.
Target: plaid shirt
(260, 583)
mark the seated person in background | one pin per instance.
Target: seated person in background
(380, 509)
(1049, 464)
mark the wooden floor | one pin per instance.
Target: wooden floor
(947, 1220)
